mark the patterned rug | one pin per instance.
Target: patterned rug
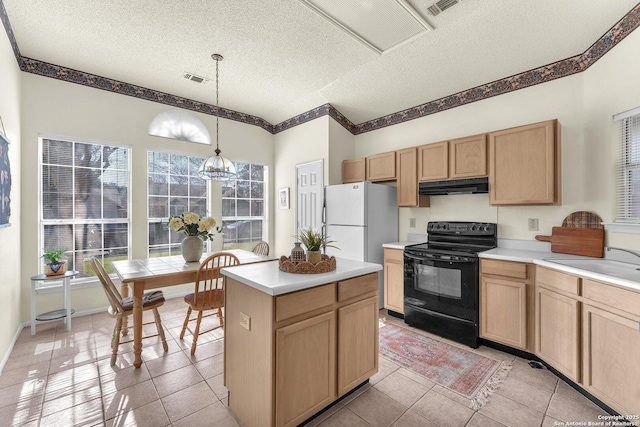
(467, 373)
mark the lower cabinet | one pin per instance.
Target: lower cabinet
(394, 280)
(357, 343)
(506, 302)
(306, 360)
(611, 344)
(558, 321)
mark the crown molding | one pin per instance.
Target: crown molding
(543, 74)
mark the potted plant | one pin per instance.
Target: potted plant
(55, 266)
(313, 241)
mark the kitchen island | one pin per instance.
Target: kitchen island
(295, 343)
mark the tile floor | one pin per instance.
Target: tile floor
(59, 378)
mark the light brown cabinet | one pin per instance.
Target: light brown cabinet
(353, 170)
(407, 167)
(524, 165)
(394, 280)
(300, 351)
(610, 344)
(506, 302)
(306, 354)
(458, 158)
(558, 321)
(381, 167)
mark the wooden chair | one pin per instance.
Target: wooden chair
(261, 248)
(208, 294)
(122, 307)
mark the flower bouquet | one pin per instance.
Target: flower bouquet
(197, 229)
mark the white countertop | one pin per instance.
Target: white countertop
(398, 245)
(268, 278)
(545, 259)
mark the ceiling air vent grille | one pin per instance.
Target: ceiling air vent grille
(441, 6)
(195, 78)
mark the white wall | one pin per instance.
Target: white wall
(58, 108)
(341, 146)
(10, 238)
(583, 103)
(302, 144)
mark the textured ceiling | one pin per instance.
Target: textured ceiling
(282, 59)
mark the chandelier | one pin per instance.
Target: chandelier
(216, 167)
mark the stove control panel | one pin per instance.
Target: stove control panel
(464, 228)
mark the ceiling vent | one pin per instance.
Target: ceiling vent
(439, 7)
(195, 78)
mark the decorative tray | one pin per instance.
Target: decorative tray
(303, 267)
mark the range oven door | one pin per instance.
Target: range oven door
(442, 284)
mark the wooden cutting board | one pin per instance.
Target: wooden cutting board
(583, 219)
(576, 241)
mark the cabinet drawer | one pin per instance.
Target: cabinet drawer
(557, 280)
(301, 302)
(360, 285)
(612, 296)
(393, 255)
(504, 268)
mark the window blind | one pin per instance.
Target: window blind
(627, 178)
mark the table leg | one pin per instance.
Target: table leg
(138, 291)
(124, 291)
(66, 292)
(33, 307)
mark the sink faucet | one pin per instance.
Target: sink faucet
(624, 250)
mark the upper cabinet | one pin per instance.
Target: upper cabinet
(381, 167)
(407, 167)
(524, 165)
(458, 158)
(353, 171)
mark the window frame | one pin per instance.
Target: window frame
(42, 222)
(149, 219)
(265, 207)
(628, 146)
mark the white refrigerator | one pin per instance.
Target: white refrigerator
(361, 217)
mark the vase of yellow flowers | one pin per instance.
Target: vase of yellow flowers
(197, 229)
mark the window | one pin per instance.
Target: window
(173, 188)
(244, 207)
(628, 168)
(84, 201)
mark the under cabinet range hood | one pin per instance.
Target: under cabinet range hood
(455, 186)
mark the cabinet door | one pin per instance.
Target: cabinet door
(524, 165)
(353, 171)
(357, 343)
(394, 280)
(557, 332)
(305, 360)
(381, 167)
(611, 345)
(408, 179)
(468, 157)
(503, 311)
(433, 161)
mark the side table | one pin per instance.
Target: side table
(63, 313)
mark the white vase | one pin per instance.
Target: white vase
(192, 248)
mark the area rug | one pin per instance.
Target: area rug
(469, 374)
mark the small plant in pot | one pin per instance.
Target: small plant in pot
(314, 241)
(55, 266)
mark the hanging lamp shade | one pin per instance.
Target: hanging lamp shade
(176, 124)
(216, 167)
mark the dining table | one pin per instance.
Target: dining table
(158, 272)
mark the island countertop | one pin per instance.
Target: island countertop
(268, 278)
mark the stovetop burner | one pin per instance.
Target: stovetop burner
(455, 237)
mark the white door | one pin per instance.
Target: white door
(309, 195)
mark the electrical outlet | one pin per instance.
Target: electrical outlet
(412, 223)
(245, 321)
(533, 224)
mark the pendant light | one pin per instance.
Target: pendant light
(216, 167)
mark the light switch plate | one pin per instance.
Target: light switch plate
(533, 224)
(245, 321)
(412, 223)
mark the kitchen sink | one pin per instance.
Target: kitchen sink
(621, 270)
